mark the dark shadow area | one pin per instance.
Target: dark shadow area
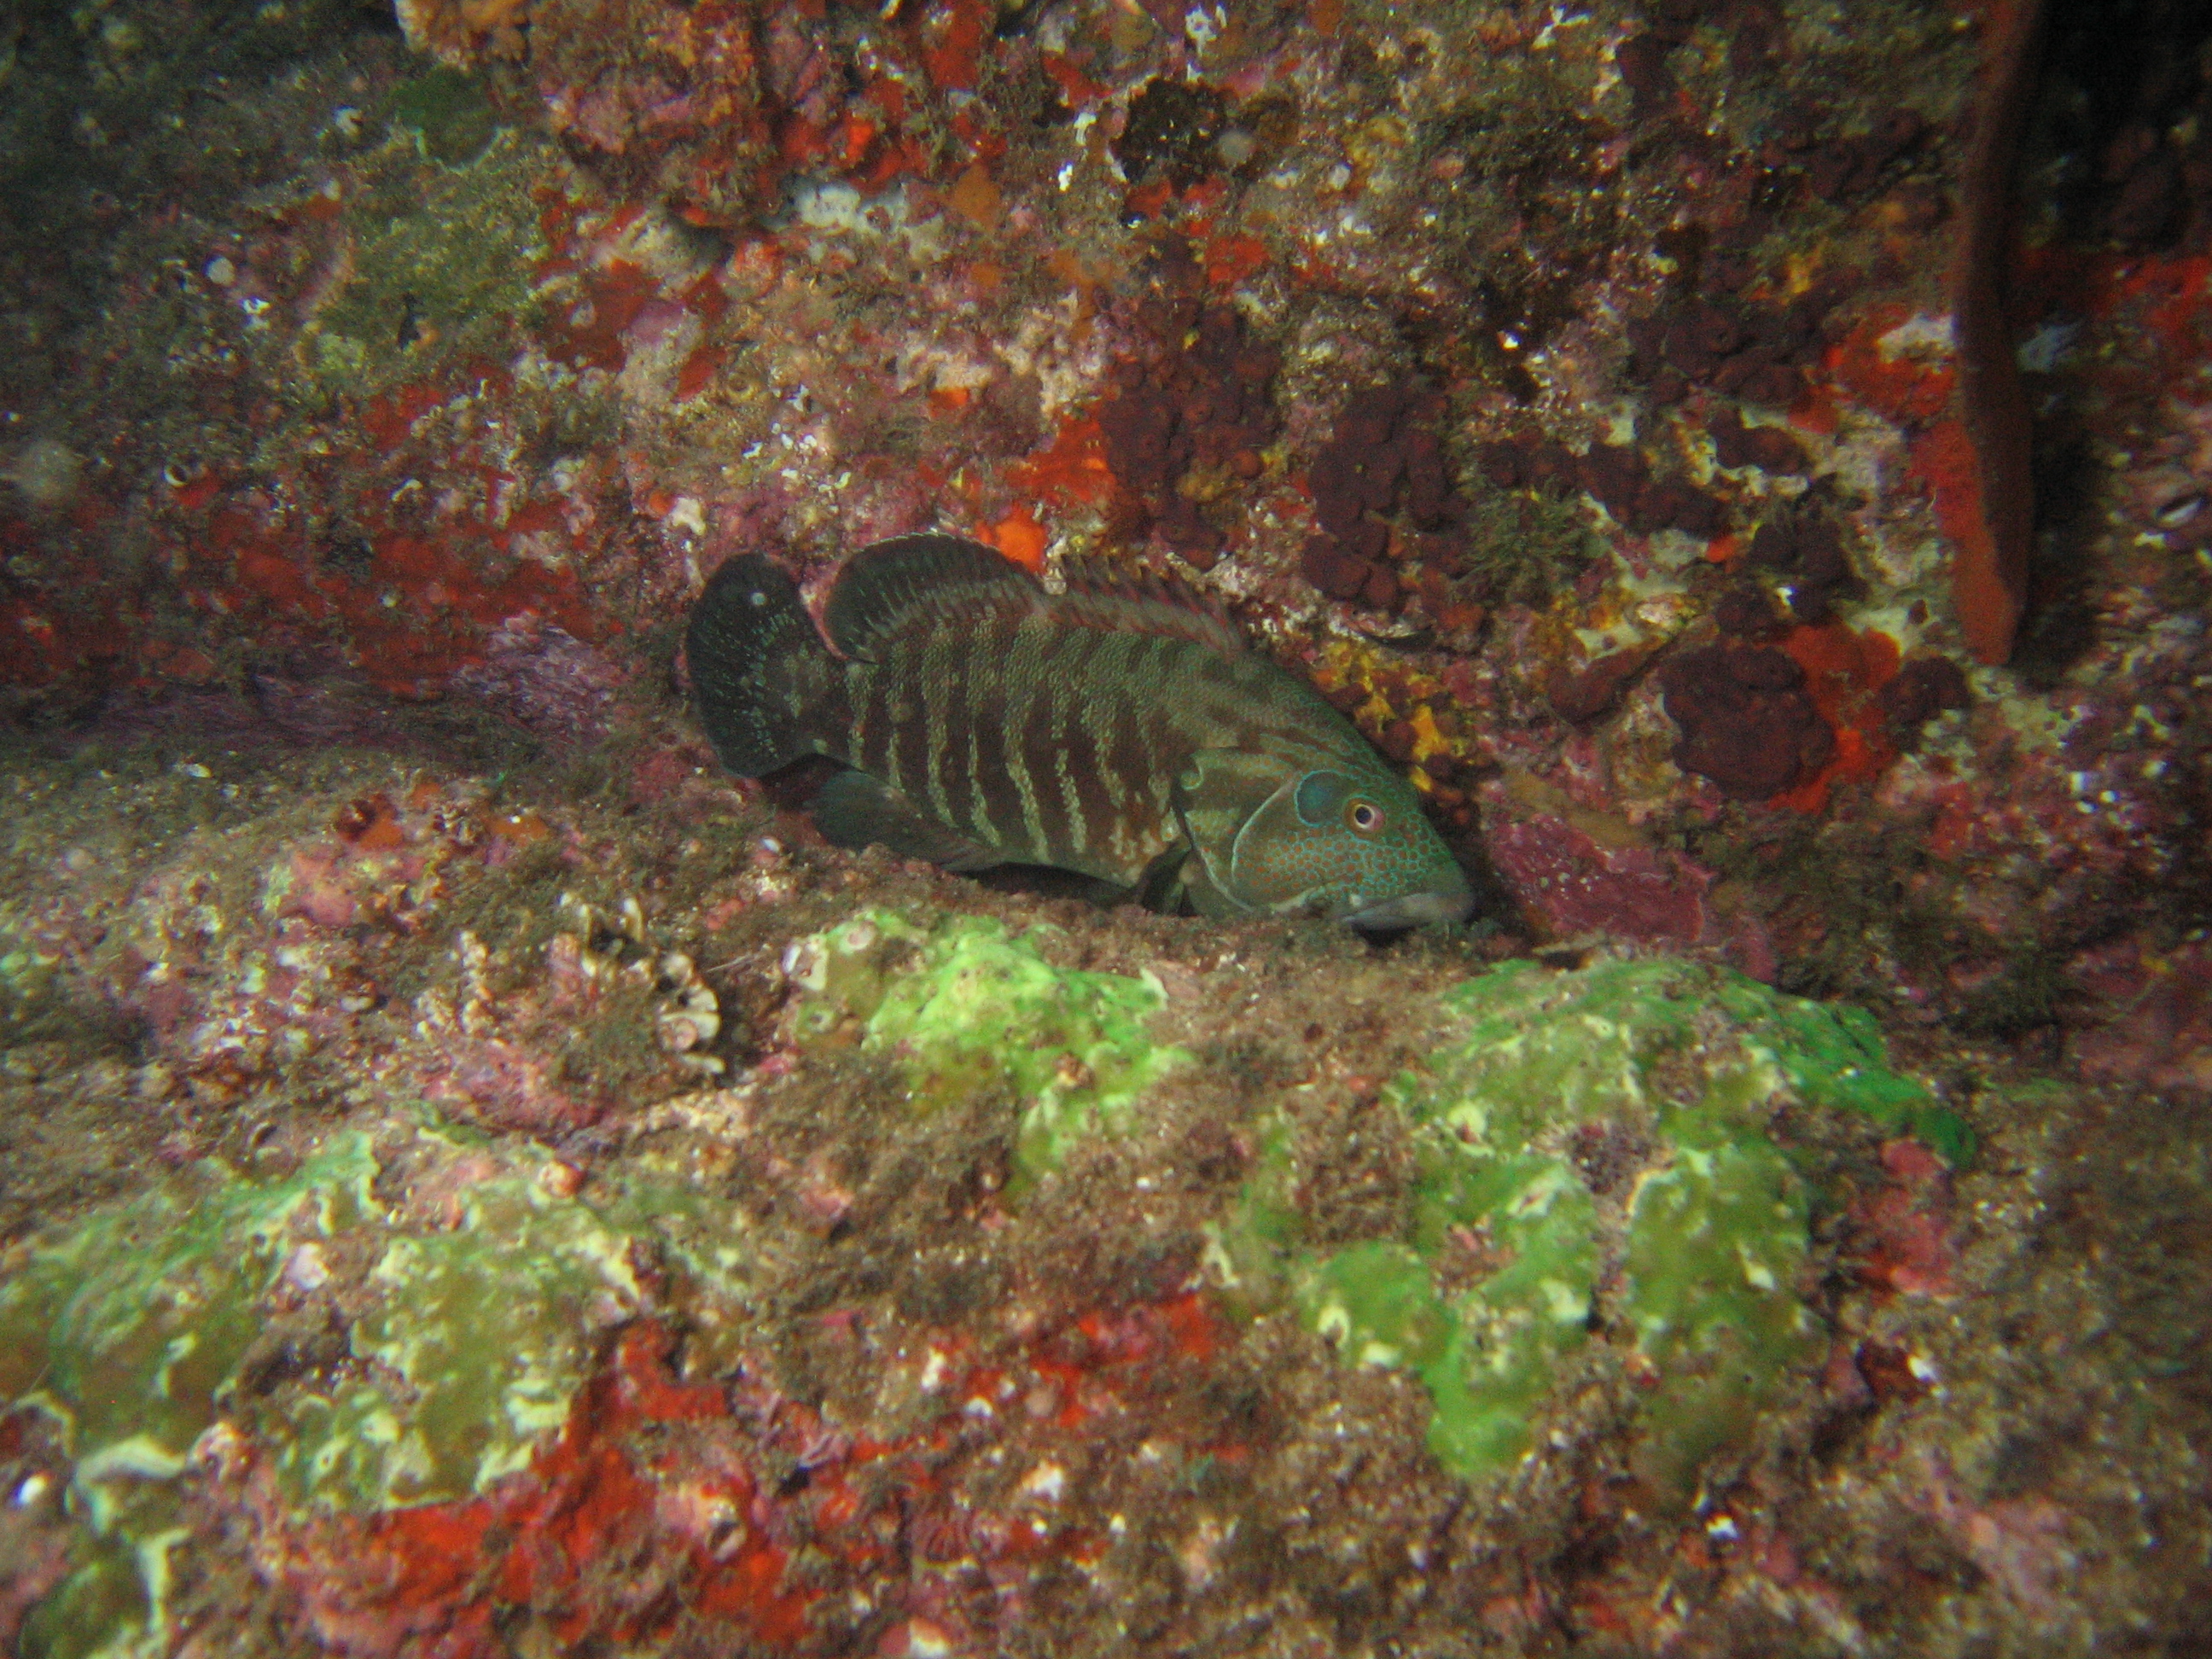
(2118, 155)
(2122, 89)
(2059, 625)
(277, 709)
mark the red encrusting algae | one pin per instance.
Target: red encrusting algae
(651, 1465)
(1843, 672)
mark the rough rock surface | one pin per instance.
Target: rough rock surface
(474, 1180)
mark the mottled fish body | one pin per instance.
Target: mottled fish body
(1124, 733)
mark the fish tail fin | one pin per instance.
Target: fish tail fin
(749, 635)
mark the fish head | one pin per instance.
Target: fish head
(1315, 834)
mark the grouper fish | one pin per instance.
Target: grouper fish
(1120, 730)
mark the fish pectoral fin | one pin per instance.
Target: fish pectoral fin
(1162, 887)
(1196, 893)
(856, 810)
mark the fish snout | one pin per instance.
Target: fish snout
(1453, 901)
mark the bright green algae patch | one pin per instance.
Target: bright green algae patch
(965, 1006)
(1688, 1261)
(1687, 1244)
(469, 1342)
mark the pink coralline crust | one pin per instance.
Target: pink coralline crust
(2145, 1017)
(1572, 885)
(502, 1085)
(687, 768)
(1581, 771)
(2020, 1542)
(1902, 1231)
(1569, 885)
(319, 894)
(2044, 849)
(545, 679)
(2057, 811)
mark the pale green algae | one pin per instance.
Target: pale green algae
(128, 1329)
(1510, 1264)
(128, 1326)
(964, 1005)
(30, 985)
(488, 1326)
(131, 1329)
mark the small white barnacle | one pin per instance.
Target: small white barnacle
(757, 599)
(693, 1016)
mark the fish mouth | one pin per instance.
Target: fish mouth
(1452, 903)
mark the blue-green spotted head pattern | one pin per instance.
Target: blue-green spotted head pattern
(1329, 831)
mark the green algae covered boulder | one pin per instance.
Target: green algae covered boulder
(1609, 1167)
(128, 1329)
(964, 1006)
(475, 1341)
(467, 1338)
(1598, 1157)
(129, 1326)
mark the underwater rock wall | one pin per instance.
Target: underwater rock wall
(1531, 382)
(473, 1179)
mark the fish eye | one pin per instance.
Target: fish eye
(1364, 816)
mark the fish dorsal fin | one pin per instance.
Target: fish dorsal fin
(1102, 595)
(910, 581)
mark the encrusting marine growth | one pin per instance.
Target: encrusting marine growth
(1598, 1155)
(1597, 1161)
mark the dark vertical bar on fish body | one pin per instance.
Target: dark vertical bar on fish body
(1063, 684)
(981, 710)
(828, 713)
(997, 814)
(1104, 694)
(909, 743)
(1083, 759)
(1195, 716)
(958, 672)
(874, 755)
(859, 687)
(1129, 769)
